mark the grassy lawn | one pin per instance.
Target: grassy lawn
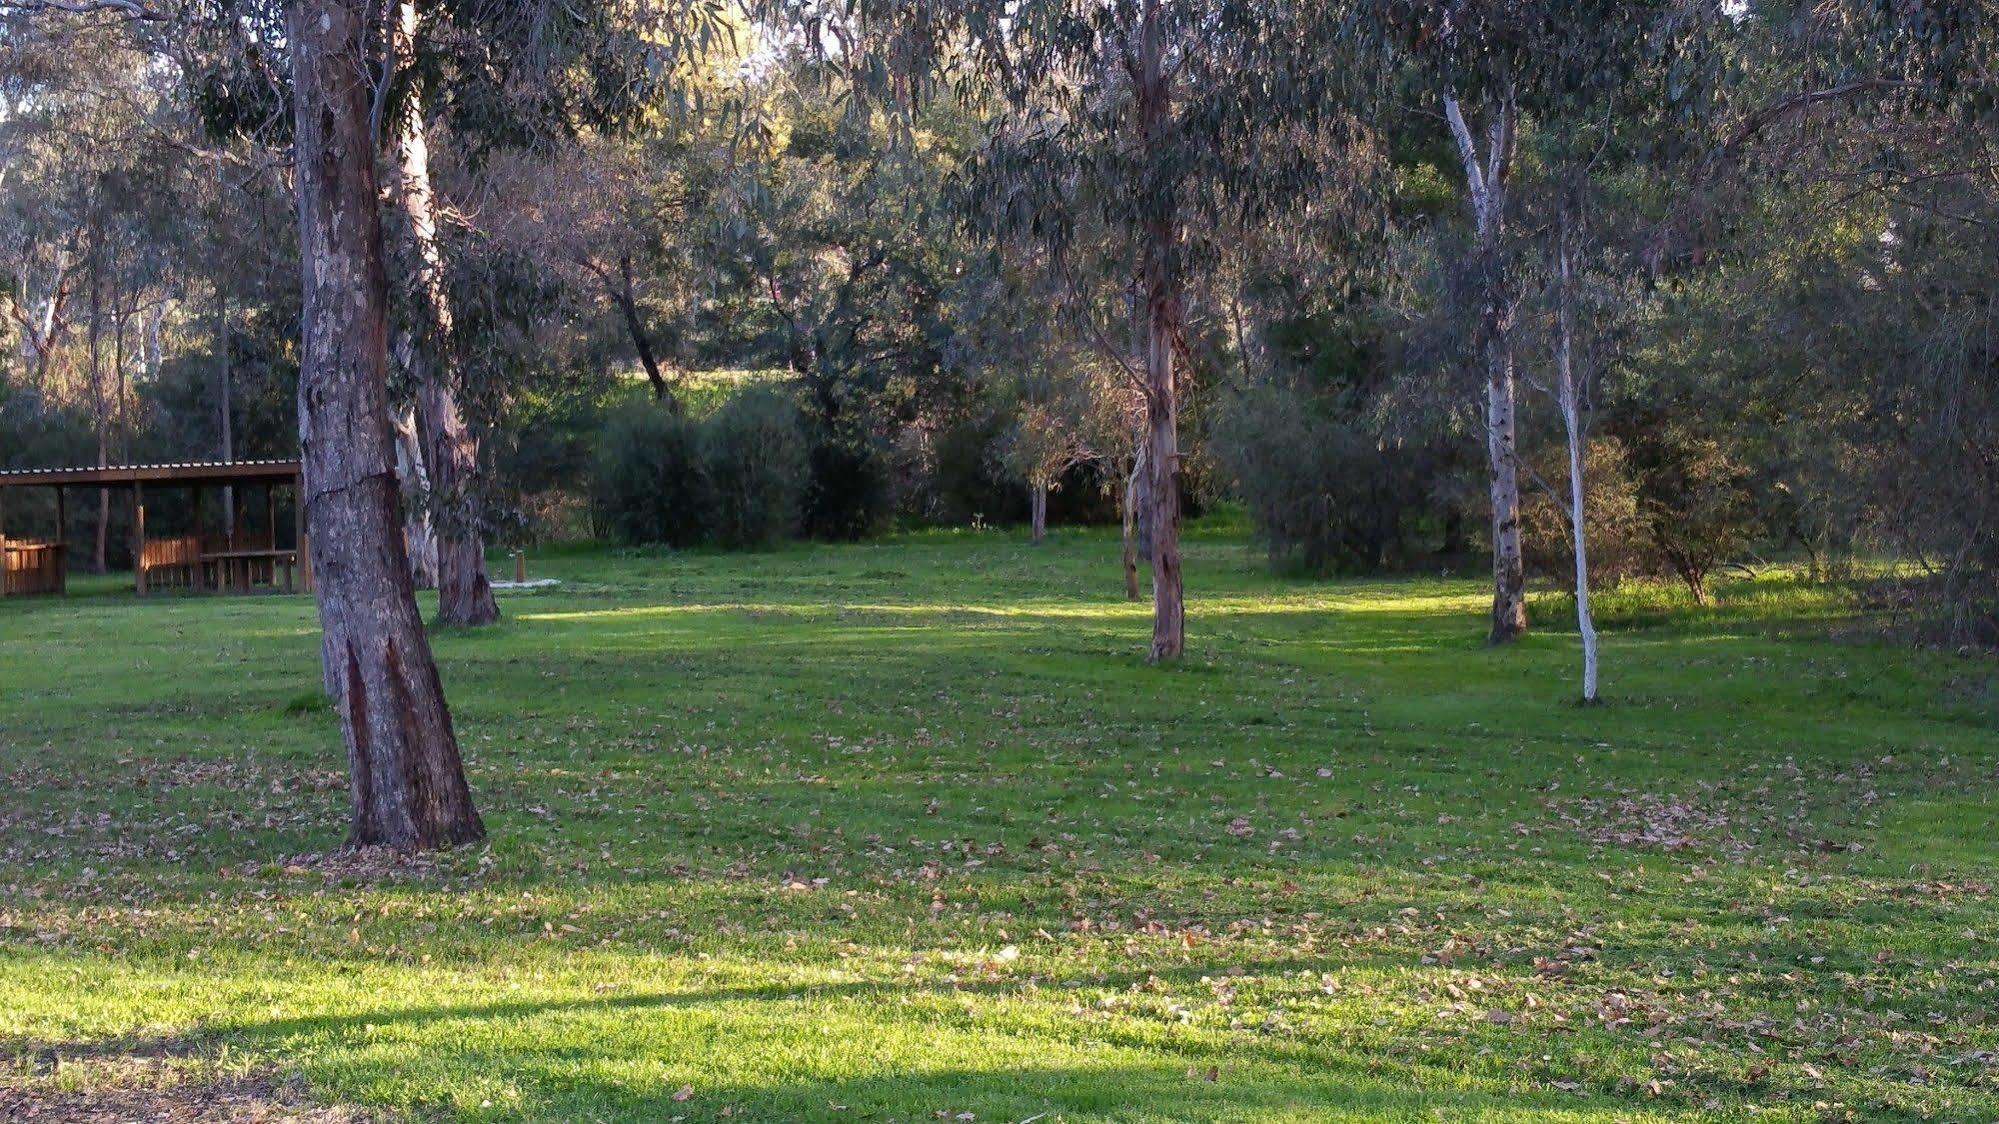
(909, 831)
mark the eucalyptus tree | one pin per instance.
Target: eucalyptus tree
(447, 543)
(498, 76)
(1168, 123)
(406, 778)
(1491, 73)
(1915, 150)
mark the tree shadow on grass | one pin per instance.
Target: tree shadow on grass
(611, 1058)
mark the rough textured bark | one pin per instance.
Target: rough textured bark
(405, 777)
(1037, 510)
(1486, 179)
(450, 451)
(1509, 574)
(1130, 513)
(1162, 399)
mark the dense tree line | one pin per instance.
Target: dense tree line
(1579, 292)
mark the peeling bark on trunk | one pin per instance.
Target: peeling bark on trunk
(450, 452)
(1509, 574)
(418, 536)
(464, 593)
(1486, 180)
(405, 777)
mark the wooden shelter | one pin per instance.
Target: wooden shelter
(232, 560)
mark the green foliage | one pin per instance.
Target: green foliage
(651, 483)
(852, 490)
(1621, 540)
(1326, 494)
(758, 466)
(1693, 494)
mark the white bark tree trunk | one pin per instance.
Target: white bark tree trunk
(155, 319)
(1567, 397)
(450, 451)
(418, 536)
(1486, 178)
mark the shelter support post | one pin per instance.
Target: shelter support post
(139, 538)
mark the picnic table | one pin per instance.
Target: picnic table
(236, 569)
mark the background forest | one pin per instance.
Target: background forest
(716, 276)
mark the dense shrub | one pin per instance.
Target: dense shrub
(651, 482)
(1325, 493)
(969, 485)
(758, 468)
(852, 492)
(1619, 537)
(1694, 494)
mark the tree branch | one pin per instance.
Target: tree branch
(125, 9)
(1467, 149)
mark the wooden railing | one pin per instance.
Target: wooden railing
(32, 567)
(174, 562)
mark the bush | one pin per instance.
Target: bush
(758, 469)
(969, 484)
(1694, 495)
(1325, 494)
(1619, 536)
(651, 484)
(852, 492)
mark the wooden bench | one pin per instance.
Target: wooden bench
(239, 570)
(29, 567)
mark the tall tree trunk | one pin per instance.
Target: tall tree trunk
(450, 451)
(1486, 179)
(1162, 490)
(1567, 397)
(1037, 510)
(102, 411)
(225, 392)
(1162, 323)
(1130, 521)
(1509, 574)
(155, 320)
(405, 778)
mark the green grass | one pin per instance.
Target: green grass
(890, 831)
